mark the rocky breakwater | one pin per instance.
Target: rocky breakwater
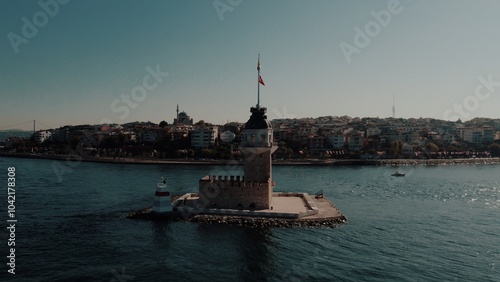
(148, 215)
(246, 221)
(410, 162)
(258, 222)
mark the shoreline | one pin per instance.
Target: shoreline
(301, 162)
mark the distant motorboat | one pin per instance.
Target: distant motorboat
(398, 174)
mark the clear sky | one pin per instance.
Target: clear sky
(89, 54)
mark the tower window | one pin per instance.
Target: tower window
(252, 138)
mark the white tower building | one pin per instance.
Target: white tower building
(161, 203)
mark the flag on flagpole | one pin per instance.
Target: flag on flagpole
(261, 81)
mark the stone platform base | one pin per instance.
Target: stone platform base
(289, 210)
(284, 205)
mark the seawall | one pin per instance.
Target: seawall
(294, 162)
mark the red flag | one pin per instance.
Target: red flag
(261, 81)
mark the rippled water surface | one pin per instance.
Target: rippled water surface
(438, 223)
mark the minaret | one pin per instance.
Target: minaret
(393, 106)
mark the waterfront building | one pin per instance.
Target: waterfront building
(307, 129)
(148, 136)
(372, 130)
(355, 141)
(407, 128)
(42, 135)
(179, 131)
(130, 135)
(203, 136)
(476, 135)
(393, 136)
(61, 135)
(316, 143)
(387, 128)
(337, 139)
(488, 133)
(287, 134)
(412, 138)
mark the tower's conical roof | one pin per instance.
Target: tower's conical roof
(258, 119)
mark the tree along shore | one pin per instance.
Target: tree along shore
(293, 162)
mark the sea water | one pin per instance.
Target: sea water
(439, 223)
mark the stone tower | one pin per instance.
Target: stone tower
(254, 190)
(258, 146)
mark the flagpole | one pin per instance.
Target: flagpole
(258, 82)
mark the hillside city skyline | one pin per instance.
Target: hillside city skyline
(284, 115)
(324, 137)
(28, 125)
